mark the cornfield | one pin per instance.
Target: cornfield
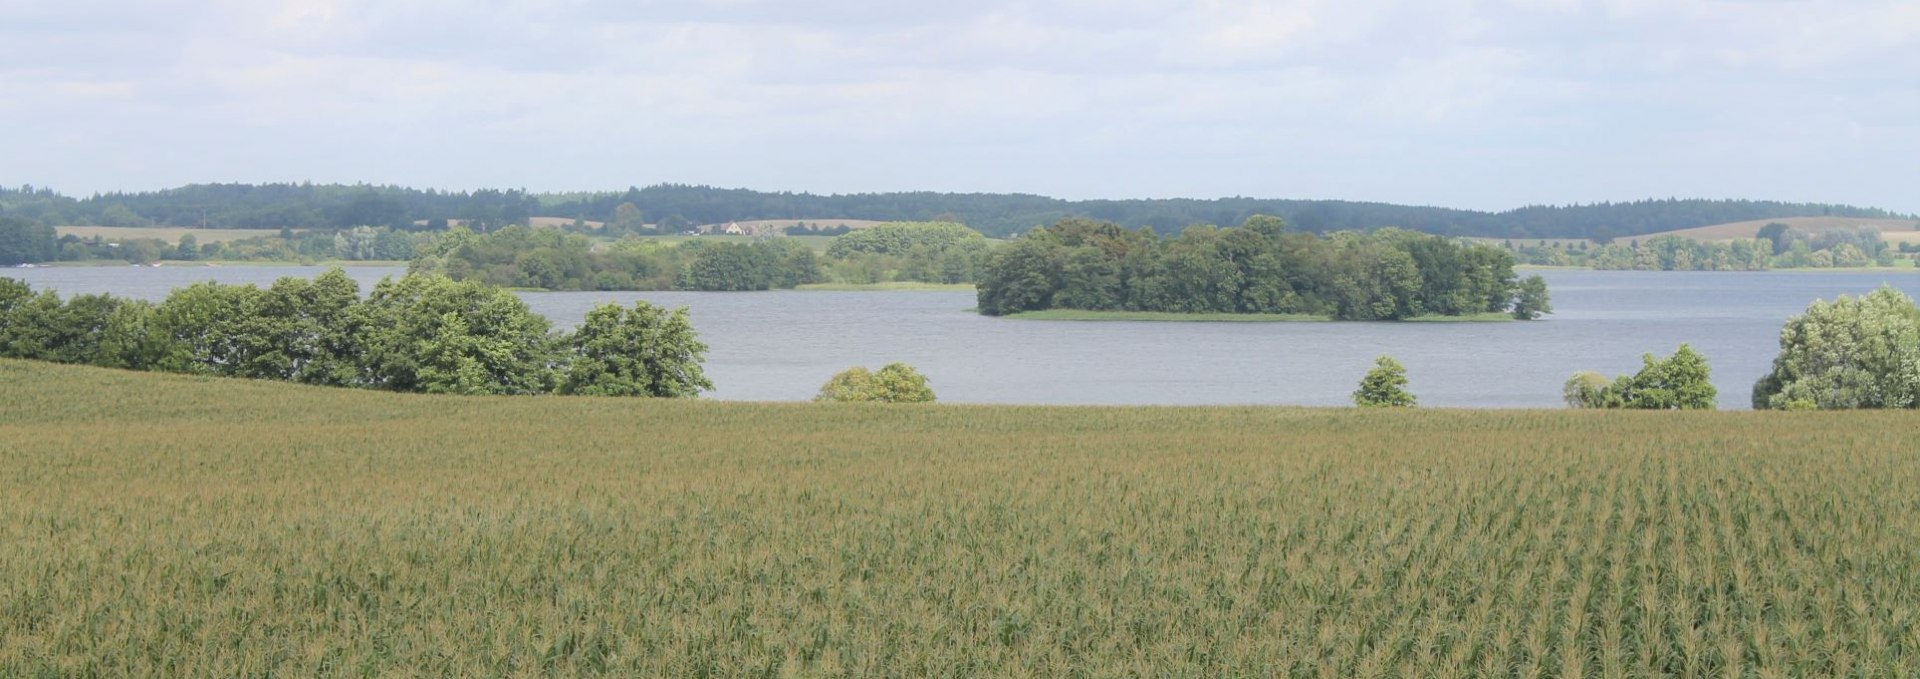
(168, 525)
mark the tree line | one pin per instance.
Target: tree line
(552, 259)
(1777, 246)
(335, 206)
(1258, 267)
(418, 333)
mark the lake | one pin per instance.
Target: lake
(784, 345)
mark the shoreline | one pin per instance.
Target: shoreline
(1079, 315)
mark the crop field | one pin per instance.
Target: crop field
(180, 526)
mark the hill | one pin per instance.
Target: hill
(1894, 230)
(170, 525)
(677, 207)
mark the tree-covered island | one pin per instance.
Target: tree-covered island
(1256, 268)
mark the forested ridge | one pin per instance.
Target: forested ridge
(335, 206)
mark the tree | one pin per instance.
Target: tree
(426, 333)
(24, 241)
(1776, 234)
(1849, 353)
(1385, 386)
(1530, 301)
(1586, 389)
(643, 351)
(895, 383)
(626, 219)
(1682, 381)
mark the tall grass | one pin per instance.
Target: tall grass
(159, 524)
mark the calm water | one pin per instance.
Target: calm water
(783, 345)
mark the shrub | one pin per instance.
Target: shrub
(1385, 386)
(895, 383)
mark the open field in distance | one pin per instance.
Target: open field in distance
(169, 234)
(1893, 230)
(168, 525)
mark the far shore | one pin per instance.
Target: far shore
(1174, 317)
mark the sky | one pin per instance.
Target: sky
(1484, 104)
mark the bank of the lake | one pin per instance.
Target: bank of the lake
(215, 263)
(1161, 317)
(894, 286)
(1173, 317)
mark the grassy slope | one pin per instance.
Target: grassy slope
(196, 527)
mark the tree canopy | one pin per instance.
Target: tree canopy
(1385, 386)
(1255, 268)
(417, 333)
(894, 383)
(1682, 381)
(1852, 352)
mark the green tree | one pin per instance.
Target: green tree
(643, 351)
(1775, 233)
(1849, 353)
(895, 383)
(1586, 389)
(425, 333)
(1531, 301)
(24, 241)
(1682, 381)
(1385, 386)
(189, 248)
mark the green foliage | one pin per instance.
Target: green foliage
(1682, 381)
(324, 206)
(1385, 386)
(24, 241)
(1781, 247)
(1849, 353)
(894, 383)
(1254, 269)
(1586, 389)
(419, 333)
(928, 252)
(551, 259)
(1531, 301)
(437, 335)
(643, 351)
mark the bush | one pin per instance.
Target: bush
(1679, 382)
(1385, 386)
(895, 383)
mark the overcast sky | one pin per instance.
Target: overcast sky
(1480, 104)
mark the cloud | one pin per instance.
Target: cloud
(1476, 103)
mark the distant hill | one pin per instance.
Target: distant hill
(329, 206)
(1894, 230)
(763, 227)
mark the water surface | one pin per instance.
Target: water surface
(783, 345)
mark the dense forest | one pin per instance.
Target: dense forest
(555, 259)
(1256, 268)
(673, 207)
